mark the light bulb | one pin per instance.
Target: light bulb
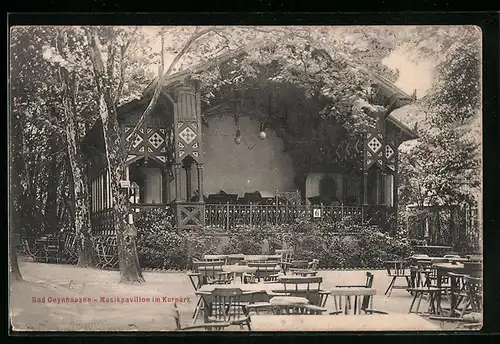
(262, 135)
(237, 138)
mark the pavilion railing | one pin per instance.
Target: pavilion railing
(231, 215)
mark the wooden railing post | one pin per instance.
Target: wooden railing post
(250, 214)
(227, 215)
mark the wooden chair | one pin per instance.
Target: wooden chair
(430, 290)
(470, 315)
(206, 272)
(70, 248)
(286, 259)
(207, 327)
(395, 270)
(107, 252)
(210, 272)
(366, 301)
(310, 288)
(228, 306)
(313, 265)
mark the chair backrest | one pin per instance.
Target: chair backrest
(264, 269)
(208, 269)
(227, 304)
(474, 290)
(214, 258)
(369, 279)
(313, 265)
(256, 258)
(366, 299)
(308, 287)
(286, 255)
(396, 268)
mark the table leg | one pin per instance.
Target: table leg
(438, 294)
(453, 291)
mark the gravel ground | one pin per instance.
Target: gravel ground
(57, 283)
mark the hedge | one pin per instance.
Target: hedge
(343, 245)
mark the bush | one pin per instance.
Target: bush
(159, 246)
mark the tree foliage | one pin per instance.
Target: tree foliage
(443, 166)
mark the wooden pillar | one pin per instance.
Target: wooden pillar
(365, 187)
(200, 181)
(177, 169)
(189, 190)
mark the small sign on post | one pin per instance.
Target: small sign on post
(317, 213)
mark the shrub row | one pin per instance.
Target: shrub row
(344, 246)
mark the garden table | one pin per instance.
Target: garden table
(356, 293)
(304, 323)
(238, 270)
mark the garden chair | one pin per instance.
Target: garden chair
(470, 315)
(70, 250)
(310, 288)
(207, 327)
(366, 301)
(286, 259)
(228, 306)
(312, 269)
(107, 252)
(395, 270)
(207, 272)
(430, 290)
(210, 272)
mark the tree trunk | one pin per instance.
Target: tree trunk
(52, 187)
(115, 154)
(81, 216)
(15, 183)
(85, 250)
(126, 233)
